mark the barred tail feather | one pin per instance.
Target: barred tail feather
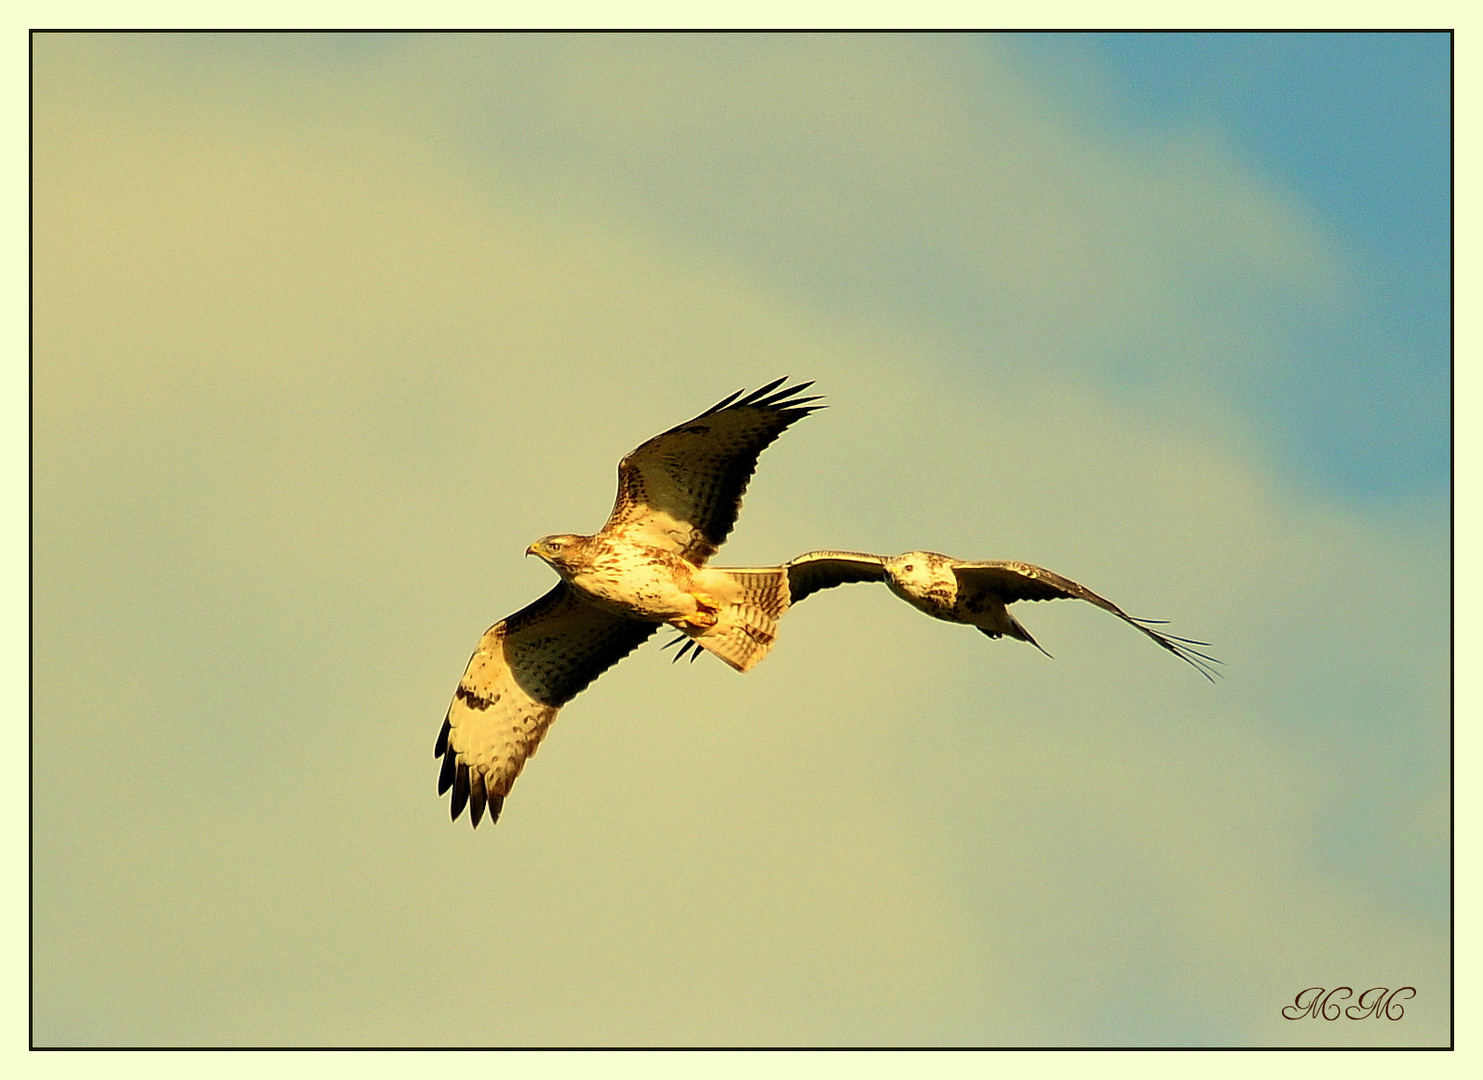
(751, 602)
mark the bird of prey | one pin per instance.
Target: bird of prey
(976, 593)
(678, 497)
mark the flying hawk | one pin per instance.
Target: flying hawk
(976, 593)
(678, 497)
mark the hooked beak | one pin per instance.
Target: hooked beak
(530, 550)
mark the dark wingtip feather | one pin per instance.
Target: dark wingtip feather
(1187, 649)
(496, 804)
(445, 777)
(770, 397)
(1171, 637)
(1188, 641)
(1196, 659)
(1202, 662)
(442, 747)
(723, 403)
(476, 799)
(1199, 665)
(756, 396)
(460, 790)
(787, 400)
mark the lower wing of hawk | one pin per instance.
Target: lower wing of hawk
(525, 669)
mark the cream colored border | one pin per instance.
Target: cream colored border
(14, 473)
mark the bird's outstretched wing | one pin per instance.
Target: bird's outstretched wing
(525, 669)
(1012, 581)
(682, 490)
(817, 570)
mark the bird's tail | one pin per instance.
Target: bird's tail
(749, 604)
(1003, 624)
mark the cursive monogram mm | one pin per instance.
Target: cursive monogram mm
(1372, 1004)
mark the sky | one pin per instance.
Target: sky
(328, 328)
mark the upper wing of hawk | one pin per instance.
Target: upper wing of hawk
(682, 490)
(1012, 581)
(525, 668)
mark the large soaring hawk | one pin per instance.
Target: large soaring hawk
(678, 498)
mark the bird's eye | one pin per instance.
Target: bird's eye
(554, 545)
(909, 567)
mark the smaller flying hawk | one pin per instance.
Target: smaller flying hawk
(976, 593)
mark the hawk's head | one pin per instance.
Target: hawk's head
(564, 551)
(918, 573)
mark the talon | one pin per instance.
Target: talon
(706, 614)
(697, 620)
